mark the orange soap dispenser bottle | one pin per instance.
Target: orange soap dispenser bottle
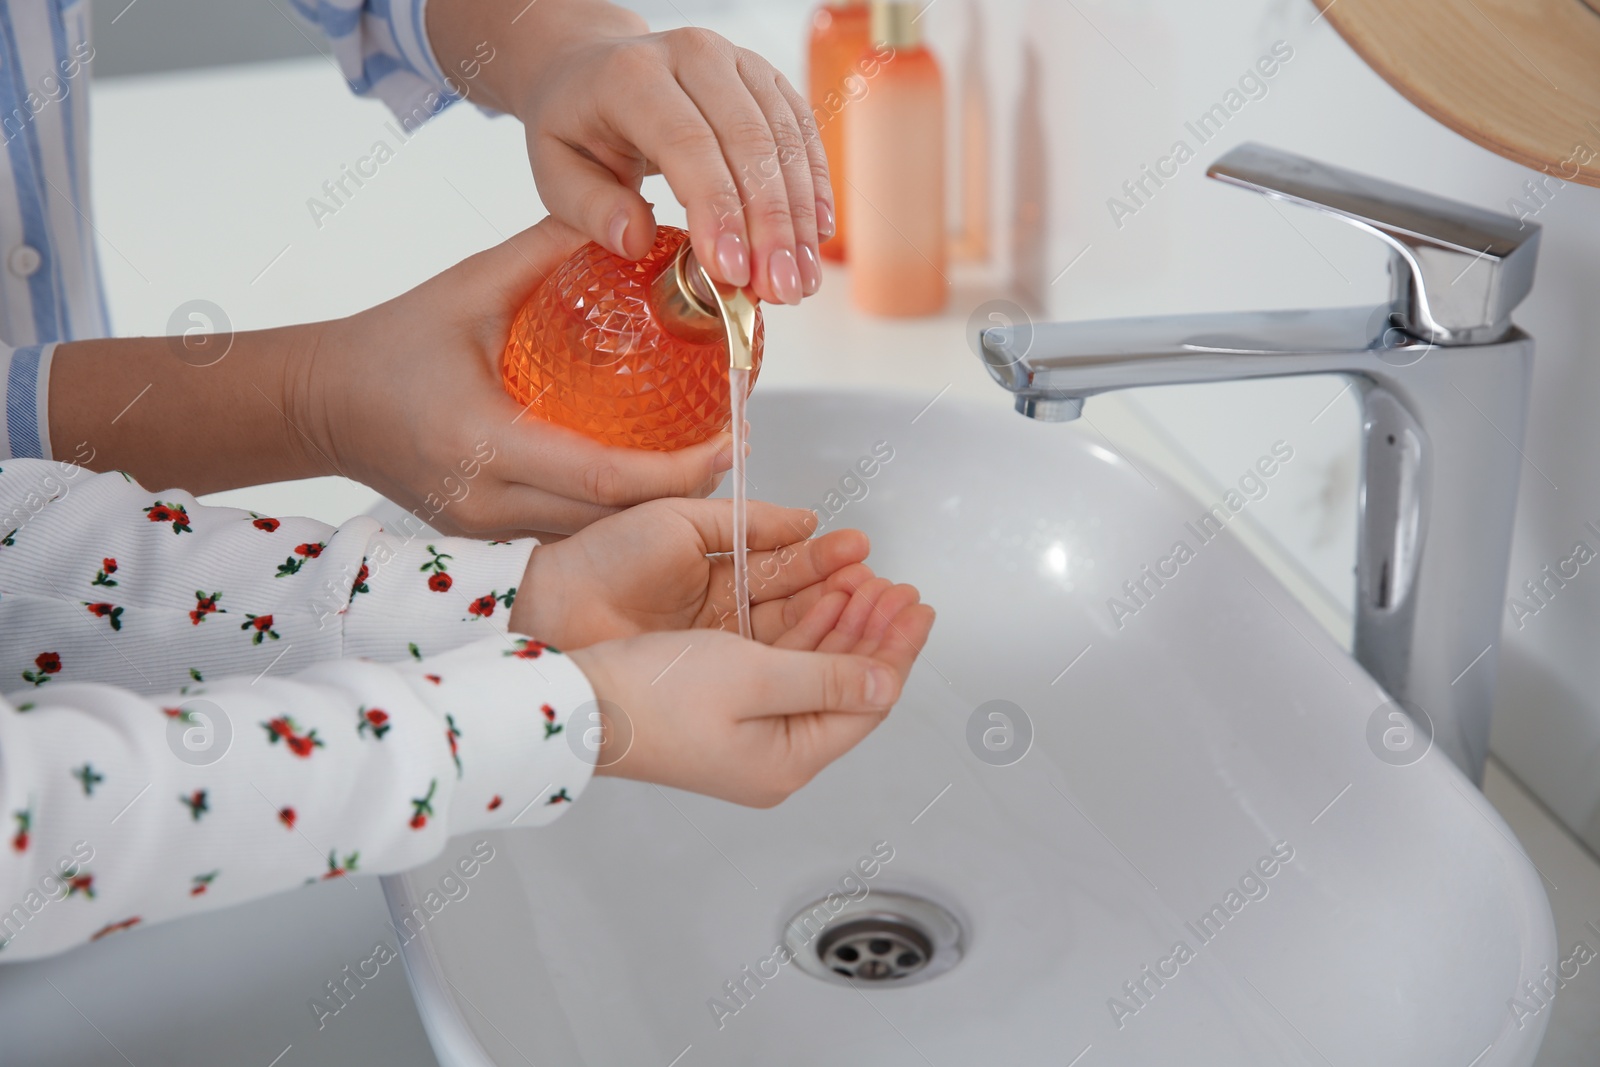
(894, 155)
(635, 354)
(840, 34)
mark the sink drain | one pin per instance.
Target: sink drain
(885, 938)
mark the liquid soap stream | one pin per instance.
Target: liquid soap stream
(738, 394)
(738, 307)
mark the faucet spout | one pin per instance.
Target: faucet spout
(1443, 405)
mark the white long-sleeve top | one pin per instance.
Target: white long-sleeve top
(205, 705)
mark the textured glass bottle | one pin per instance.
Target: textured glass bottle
(630, 353)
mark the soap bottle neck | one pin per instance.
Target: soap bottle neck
(693, 307)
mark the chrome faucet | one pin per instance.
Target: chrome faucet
(1442, 376)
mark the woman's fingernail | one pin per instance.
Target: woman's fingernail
(810, 270)
(617, 231)
(732, 260)
(784, 274)
(825, 223)
(724, 459)
(880, 687)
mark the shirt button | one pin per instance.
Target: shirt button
(24, 261)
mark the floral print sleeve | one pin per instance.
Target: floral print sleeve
(104, 581)
(124, 810)
(197, 714)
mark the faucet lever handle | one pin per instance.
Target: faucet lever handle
(1456, 272)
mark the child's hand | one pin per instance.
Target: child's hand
(651, 568)
(709, 712)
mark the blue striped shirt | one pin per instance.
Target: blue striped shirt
(50, 285)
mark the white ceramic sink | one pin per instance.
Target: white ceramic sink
(1171, 758)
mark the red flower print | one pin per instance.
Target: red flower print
(438, 580)
(450, 735)
(374, 719)
(82, 882)
(306, 551)
(551, 727)
(422, 807)
(262, 624)
(299, 744)
(559, 798)
(528, 648)
(266, 525)
(109, 612)
(196, 803)
(178, 713)
(204, 604)
(115, 928)
(173, 513)
(337, 869)
(24, 828)
(45, 664)
(483, 607)
(434, 678)
(495, 802)
(287, 816)
(202, 882)
(108, 567)
(360, 584)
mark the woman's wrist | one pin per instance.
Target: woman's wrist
(527, 42)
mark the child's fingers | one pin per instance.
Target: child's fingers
(888, 606)
(780, 682)
(905, 637)
(849, 579)
(774, 575)
(770, 619)
(807, 633)
(769, 526)
(852, 624)
(816, 739)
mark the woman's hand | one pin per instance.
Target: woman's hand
(606, 103)
(406, 397)
(662, 566)
(709, 712)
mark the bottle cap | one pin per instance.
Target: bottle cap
(894, 23)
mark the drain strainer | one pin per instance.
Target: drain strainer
(883, 938)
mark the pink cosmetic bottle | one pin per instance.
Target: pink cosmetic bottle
(895, 164)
